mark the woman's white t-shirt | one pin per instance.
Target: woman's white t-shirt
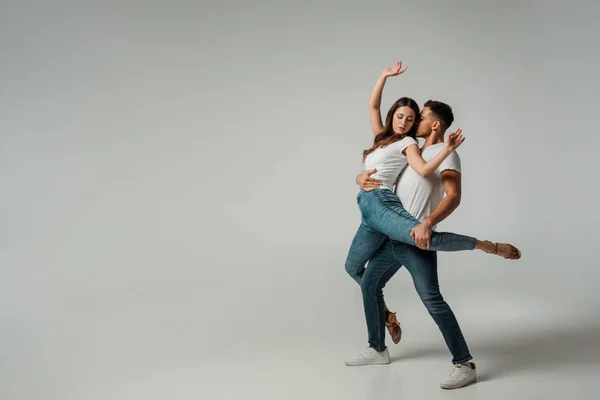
(389, 162)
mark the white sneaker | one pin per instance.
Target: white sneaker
(462, 375)
(370, 357)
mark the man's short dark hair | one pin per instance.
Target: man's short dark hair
(442, 111)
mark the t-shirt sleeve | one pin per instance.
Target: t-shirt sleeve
(451, 162)
(407, 141)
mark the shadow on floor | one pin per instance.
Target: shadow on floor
(562, 347)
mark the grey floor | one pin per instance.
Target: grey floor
(559, 364)
(156, 350)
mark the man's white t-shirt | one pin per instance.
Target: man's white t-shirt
(389, 162)
(420, 196)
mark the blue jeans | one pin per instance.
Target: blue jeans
(384, 216)
(422, 266)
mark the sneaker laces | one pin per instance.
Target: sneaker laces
(457, 370)
(369, 350)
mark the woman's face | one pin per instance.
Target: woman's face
(403, 120)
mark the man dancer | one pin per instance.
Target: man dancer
(424, 199)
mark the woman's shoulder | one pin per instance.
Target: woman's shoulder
(405, 141)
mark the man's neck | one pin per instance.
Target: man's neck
(434, 138)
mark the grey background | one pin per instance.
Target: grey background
(178, 192)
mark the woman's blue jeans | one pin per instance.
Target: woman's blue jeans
(384, 216)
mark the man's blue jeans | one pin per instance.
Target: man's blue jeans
(422, 266)
(384, 216)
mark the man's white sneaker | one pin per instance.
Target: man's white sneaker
(370, 357)
(462, 375)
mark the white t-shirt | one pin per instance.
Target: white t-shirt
(420, 196)
(389, 162)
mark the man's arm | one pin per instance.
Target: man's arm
(367, 183)
(452, 186)
(451, 180)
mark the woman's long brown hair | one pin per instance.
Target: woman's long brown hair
(387, 136)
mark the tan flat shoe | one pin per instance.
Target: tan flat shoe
(512, 254)
(393, 326)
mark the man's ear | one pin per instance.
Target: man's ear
(436, 125)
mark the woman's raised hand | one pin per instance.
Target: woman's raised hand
(397, 70)
(455, 139)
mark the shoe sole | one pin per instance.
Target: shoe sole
(372, 363)
(459, 387)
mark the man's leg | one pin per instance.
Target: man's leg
(422, 265)
(382, 267)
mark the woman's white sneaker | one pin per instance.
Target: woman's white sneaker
(370, 357)
(461, 375)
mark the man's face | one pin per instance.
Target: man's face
(425, 123)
